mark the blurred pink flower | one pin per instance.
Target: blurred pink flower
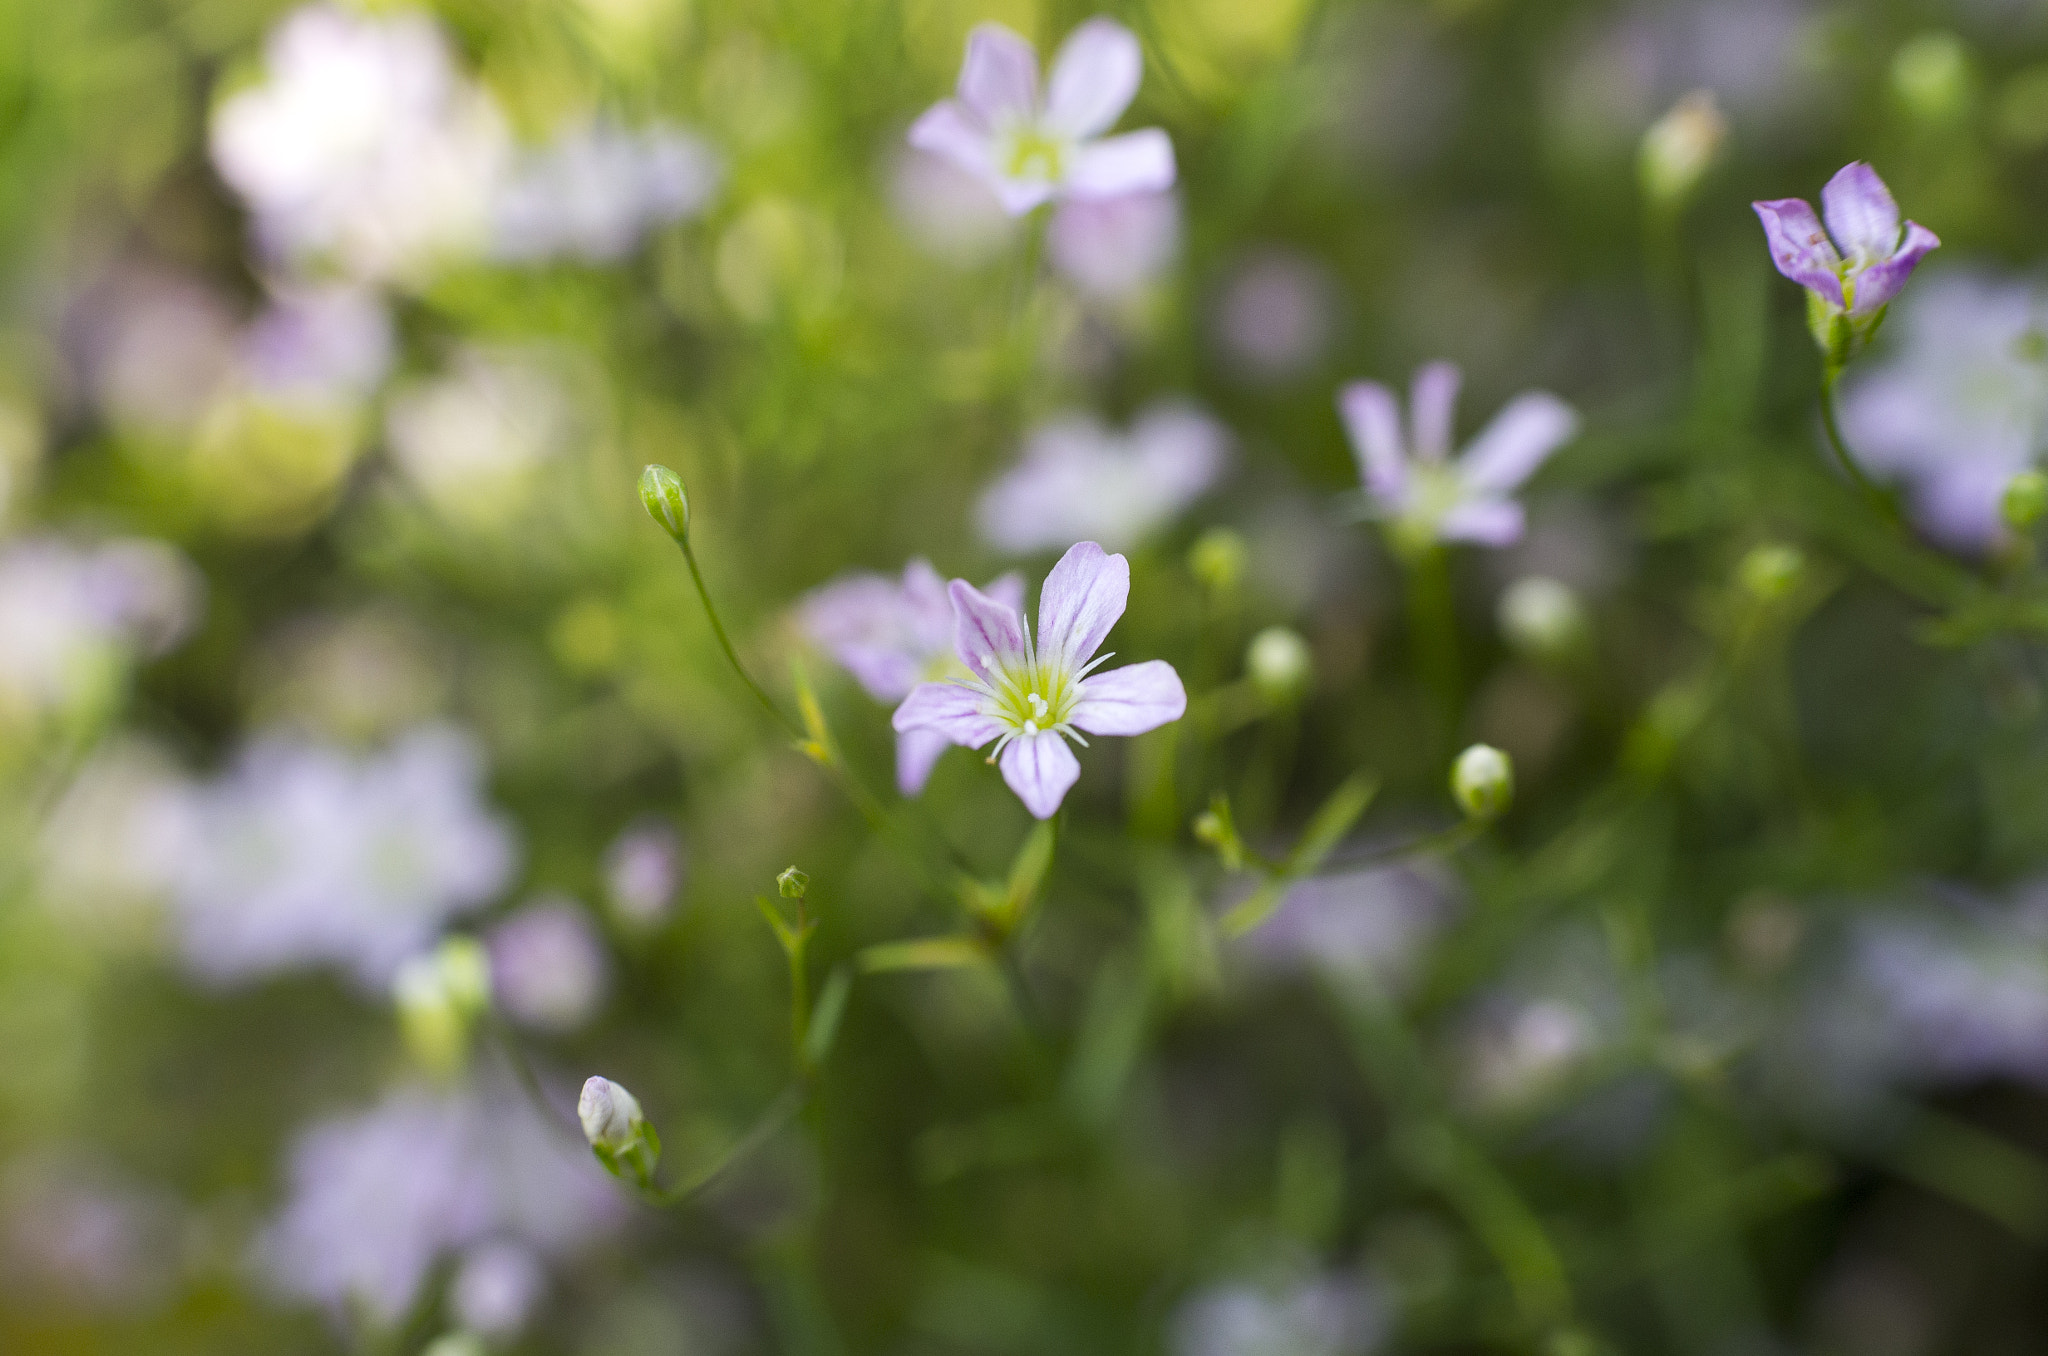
(67, 610)
(643, 868)
(598, 188)
(1032, 150)
(548, 965)
(1274, 318)
(1031, 698)
(892, 636)
(1413, 483)
(1080, 479)
(1111, 247)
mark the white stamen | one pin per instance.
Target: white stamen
(1037, 704)
(1030, 728)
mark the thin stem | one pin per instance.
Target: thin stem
(799, 990)
(773, 1119)
(1842, 455)
(725, 643)
(1433, 631)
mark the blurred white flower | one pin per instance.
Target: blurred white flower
(1080, 480)
(68, 612)
(472, 441)
(643, 869)
(317, 350)
(1275, 316)
(378, 1197)
(1373, 924)
(598, 189)
(363, 148)
(1112, 247)
(548, 965)
(949, 212)
(111, 845)
(1960, 404)
(153, 348)
(497, 1288)
(306, 855)
(1324, 1316)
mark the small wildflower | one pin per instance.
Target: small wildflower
(1031, 150)
(1424, 495)
(1080, 479)
(892, 636)
(1031, 698)
(1850, 279)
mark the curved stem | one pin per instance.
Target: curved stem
(1843, 458)
(777, 1115)
(725, 643)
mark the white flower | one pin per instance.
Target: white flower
(1321, 1316)
(318, 349)
(363, 147)
(548, 965)
(474, 440)
(1112, 247)
(1078, 479)
(67, 612)
(306, 855)
(1031, 150)
(1424, 494)
(1961, 403)
(598, 189)
(378, 1197)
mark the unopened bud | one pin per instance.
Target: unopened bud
(1483, 782)
(1680, 148)
(1770, 571)
(661, 491)
(2025, 500)
(1542, 617)
(618, 1133)
(439, 996)
(792, 883)
(1279, 663)
(1218, 559)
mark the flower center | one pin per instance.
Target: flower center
(1034, 155)
(1434, 489)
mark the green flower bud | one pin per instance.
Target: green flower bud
(1931, 77)
(2025, 500)
(1218, 559)
(456, 1344)
(1279, 663)
(1680, 148)
(439, 997)
(661, 492)
(1542, 617)
(1483, 782)
(1770, 571)
(793, 883)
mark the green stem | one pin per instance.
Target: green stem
(725, 643)
(773, 1119)
(1433, 631)
(799, 990)
(1840, 448)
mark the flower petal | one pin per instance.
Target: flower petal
(862, 621)
(1082, 598)
(1521, 437)
(1130, 700)
(1799, 247)
(999, 78)
(916, 751)
(1879, 283)
(956, 135)
(987, 634)
(1860, 213)
(1136, 162)
(1094, 78)
(1373, 419)
(1432, 400)
(1040, 769)
(947, 709)
(1488, 522)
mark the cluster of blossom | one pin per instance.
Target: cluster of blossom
(70, 614)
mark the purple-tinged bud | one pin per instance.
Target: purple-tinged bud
(618, 1133)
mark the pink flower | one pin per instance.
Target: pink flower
(1424, 494)
(1858, 272)
(891, 637)
(1031, 698)
(1029, 149)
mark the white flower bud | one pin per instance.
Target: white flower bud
(1542, 617)
(1483, 782)
(1680, 148)
(611, 1116)
(1279, 663)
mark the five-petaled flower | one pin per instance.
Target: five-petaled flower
(1030, 698)
(892, 636)
(1848, 279)
(1031, 150)
(1423, 494)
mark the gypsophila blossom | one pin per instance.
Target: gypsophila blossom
(318, 349)
(1422, 493)
(69, 614)
(1031, 149)
(363, 148)
(597, 189)
(893, 635)
(473, 440)
(497, 1288)
(1313, 1316)
(549, 969)
(1078, 478)
(643, 869)
(1275, 316)
(1030, 697)
(1112, 247)
(1851, 278)
(1958, 403)
(379, 1197)
(306, 854)
(1373, 925)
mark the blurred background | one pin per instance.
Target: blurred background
(339, 663)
